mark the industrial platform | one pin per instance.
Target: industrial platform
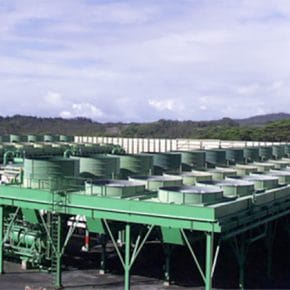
(219, 218)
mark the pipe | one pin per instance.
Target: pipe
(68, 152)
(6, 156)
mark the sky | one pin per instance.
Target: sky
(144, 60)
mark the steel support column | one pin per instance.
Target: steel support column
(168, 248)
(242, 262)
(240, 248)
(193, 255)
(129, 260)
(103, 262)
(127, 256)
(1, 239)
(208, 260)
(58, 280)
(269, 241)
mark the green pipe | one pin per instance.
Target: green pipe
(209, 254)
(6, 156)
(127, 256)
(21, 176)
(68, 152)
(1, 239)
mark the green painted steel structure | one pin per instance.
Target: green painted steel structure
(279, 164)
(287, 149)
(234, 155)
(191, 178)
(263, 166)
(215, 157)
(245, 169)
(192, 159)
(251, 154)
(87, 150)
(135, 164)
(99, 166)
(16, 138)
(229, 212)
(114, 188)
(265, 152)
(284, 176)
(50, 138)
(232, 187)
(220, 173)
(153, 183)
(49, 173)
(278, 151)
(169, 162)
(33, 138)
(191, 195)
(64, 138)
(219, 222)
(262, 182)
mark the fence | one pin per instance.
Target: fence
(137, 145)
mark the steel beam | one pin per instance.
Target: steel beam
(129, 211)
(10, 225)
(58, 281)
(103, 263)
(129, 259)
(240, 248)
(114, 243)
(193, 255)
(138, 247)
(1, 239)
(217, 251)
(47, 230)
(208, 260)
(127, 256)
(168, 249)
(269, 241)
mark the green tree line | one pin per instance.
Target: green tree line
(226, 128)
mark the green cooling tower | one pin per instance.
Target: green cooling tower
(135, 164)
(49, 173)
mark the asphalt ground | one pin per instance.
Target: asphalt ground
(80, 270)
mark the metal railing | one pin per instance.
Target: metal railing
(137, 145)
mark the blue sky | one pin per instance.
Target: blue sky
(144, 60)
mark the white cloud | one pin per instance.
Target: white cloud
(162, 105)
(82, 110)
(276, 85)
(122, 13)
(54, 99)
(260, 111)
(66, 115)
(202, 58)
(248, 89)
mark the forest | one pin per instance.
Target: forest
(272, 127)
